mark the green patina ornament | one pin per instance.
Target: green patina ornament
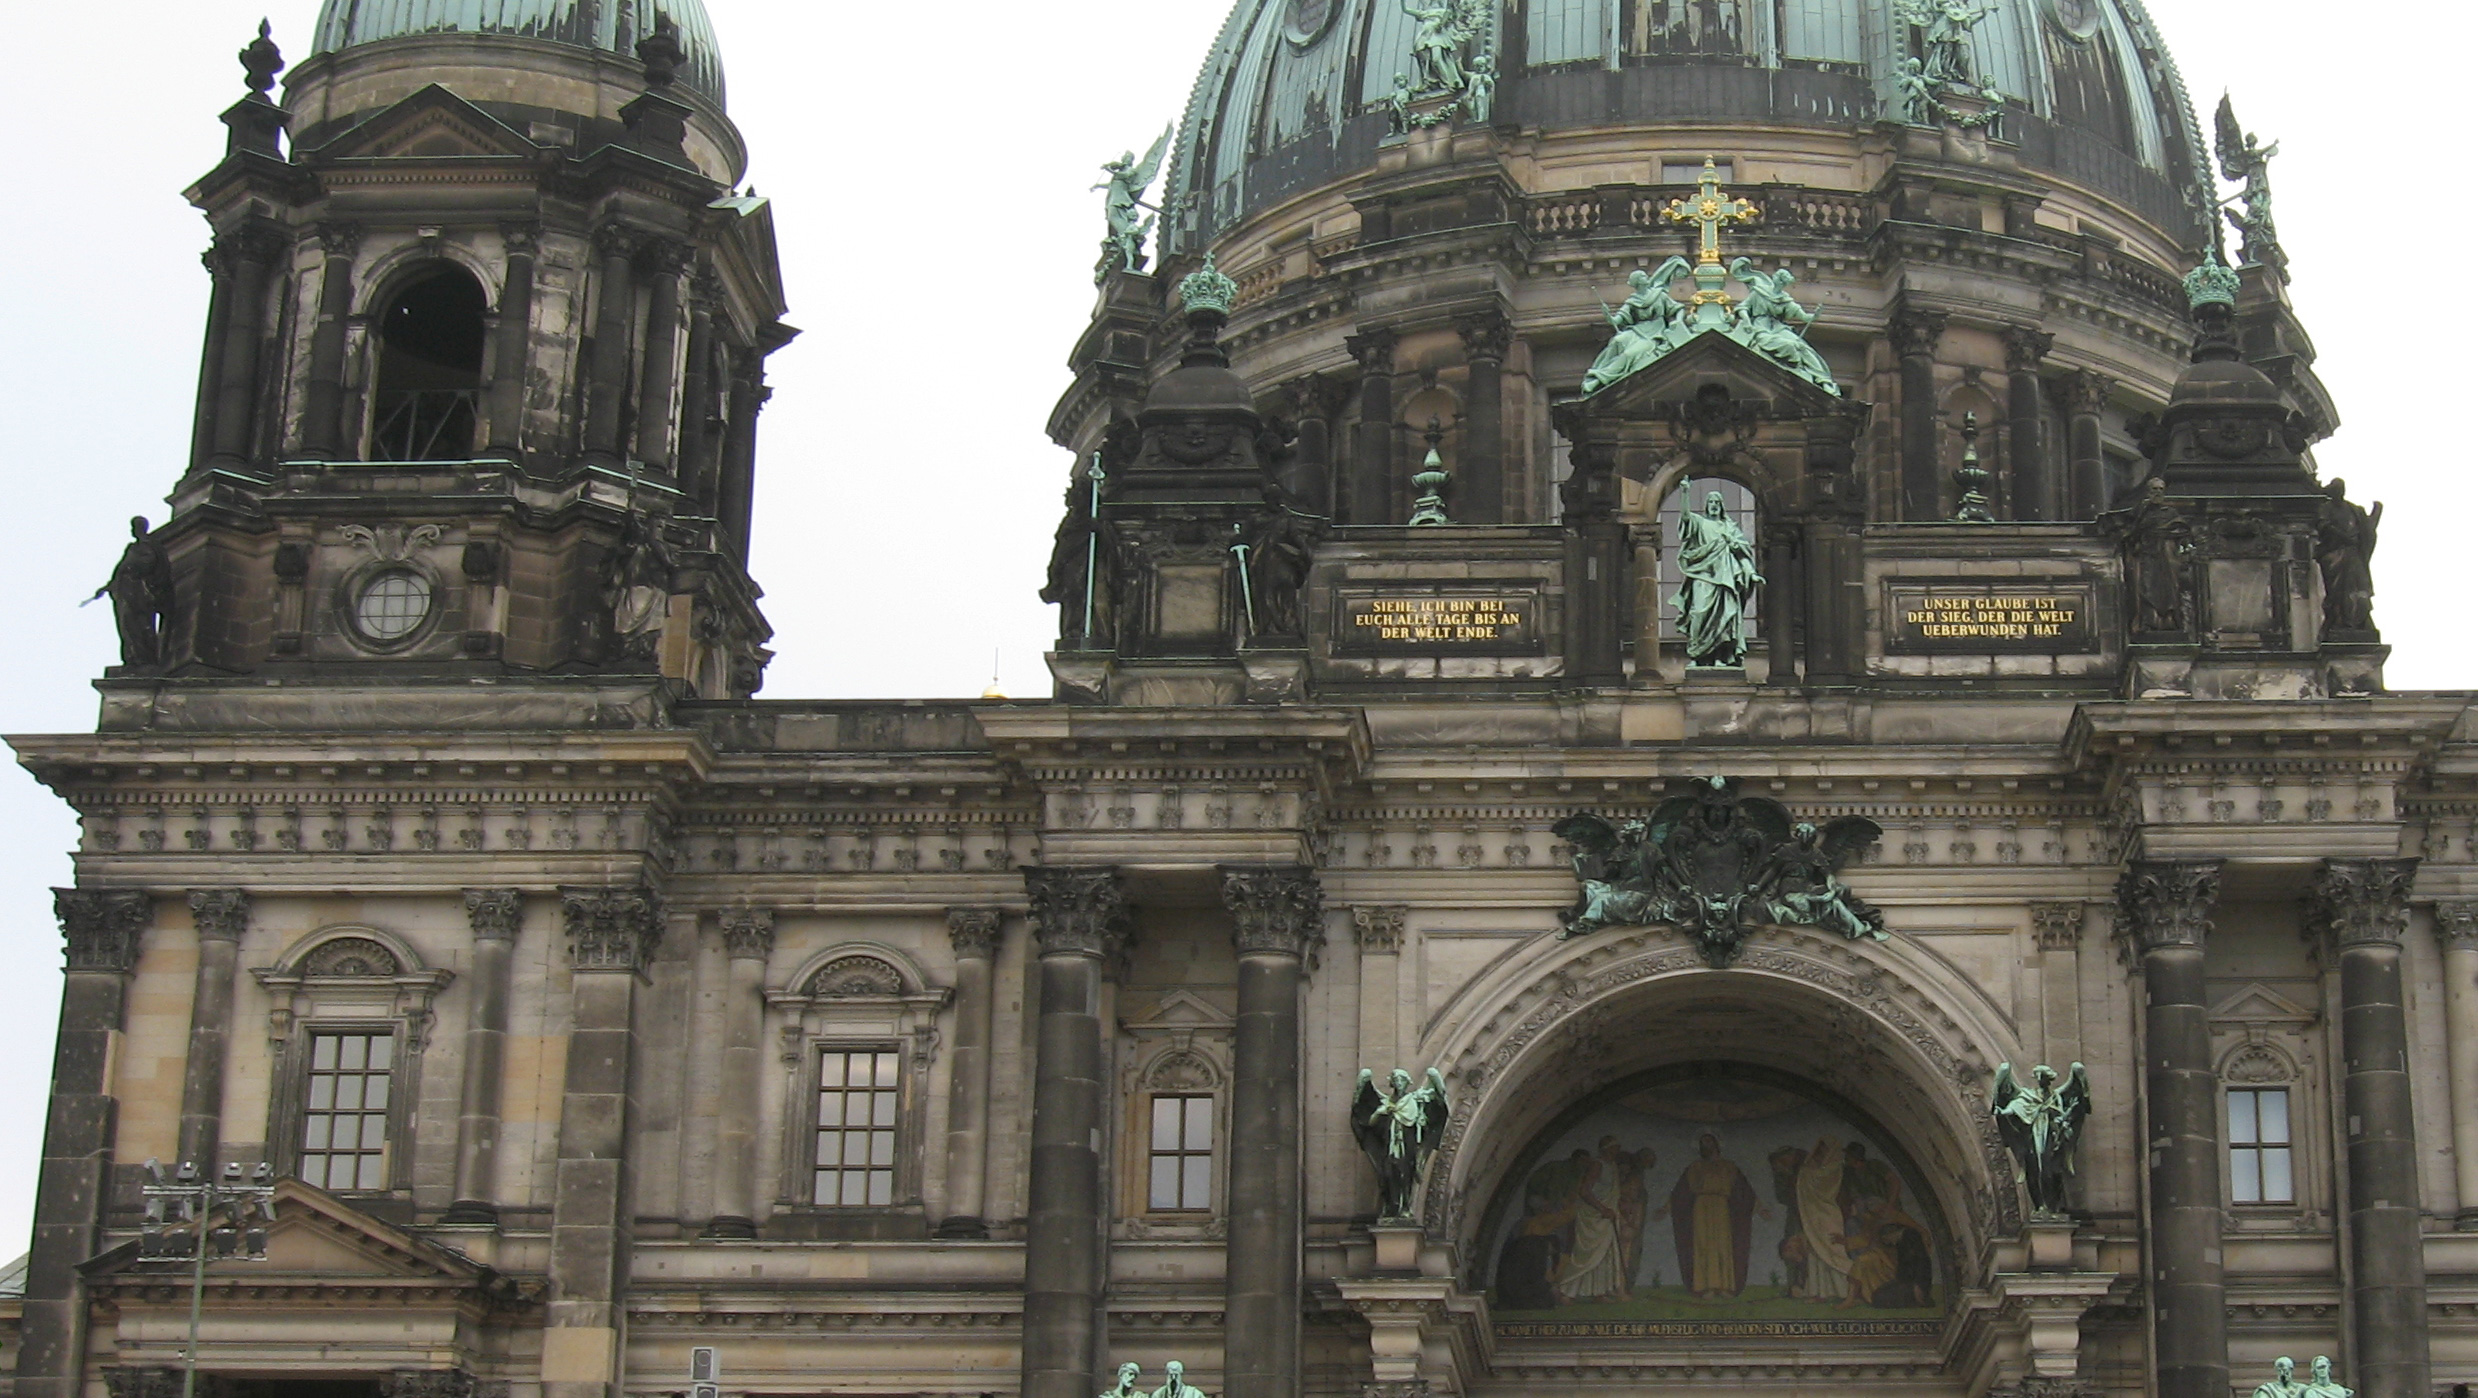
(1970, 479)
(1398, 1127)
(1206, 289)
(1654, 322)
(1122, 247)
(2212, 284)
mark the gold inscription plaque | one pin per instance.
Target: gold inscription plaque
(2053, 620)
(1488, 622)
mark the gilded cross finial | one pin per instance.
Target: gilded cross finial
(1708, 210)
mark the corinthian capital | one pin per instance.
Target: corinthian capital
(2167, 902)
(222, 913)
(1077, 912)
(1917, 332)
(611, 929)
(748, 933)
(1278, 907)
(494, 913)
(102, 927)
(2456, 923)
(973, 932)
(2356, 902)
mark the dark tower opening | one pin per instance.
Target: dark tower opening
(429, 381)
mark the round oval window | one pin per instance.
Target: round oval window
(392, 605)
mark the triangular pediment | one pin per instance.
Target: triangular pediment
(1182, 1009)
(1710, 358)
(318, 1239)
(2260, 1004)
(432, 124)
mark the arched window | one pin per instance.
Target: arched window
(428, 386)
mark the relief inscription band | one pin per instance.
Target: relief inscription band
(1940, 619)
(1470, 622)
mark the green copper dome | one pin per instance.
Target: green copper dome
(1292, 96)
(613, 26)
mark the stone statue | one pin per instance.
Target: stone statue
(1445, 26)
(1122, 247)
(1711, 863)
(1800, 885)
(1398, 1126)
(1126, 1386)
(2345, 551)
(2321, 1385)
(2040, 1124)
(2159, 539)
(1773, 325)
(637, 588)
(1716, 568)
(1650, 323)
(2248, 162)
(2284, 1382)
(1918, 99)
(141, 591)
(1480, 89)
(1177, 1385)
(1278, 558)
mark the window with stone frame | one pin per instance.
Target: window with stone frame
(859, 1111)
(1180, 1153)
(2260, 1146)
(347, 1095)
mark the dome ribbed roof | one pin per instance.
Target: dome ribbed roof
(1291, 96)
(613, 26)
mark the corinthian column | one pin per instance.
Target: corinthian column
(1278, 912)
(103, 929)
(2362, 906)
(221, 915)
(2165, 907)
(495, 914)
(1080, 924)
(748, 935)
(2456, 926)
(1915, 336)
(974, 932)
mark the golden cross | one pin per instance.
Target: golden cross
(1708, 210)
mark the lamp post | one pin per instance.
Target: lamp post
(194, 1199)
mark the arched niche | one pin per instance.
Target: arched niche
(1875, 1026)
(430, 328)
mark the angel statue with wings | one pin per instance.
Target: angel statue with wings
(2247, 161)
(1122, 248)
(2040, 1124)
(1437, 46)
(1650, 323)
(1399, 1127)
(1801, 884)
(1773, 324)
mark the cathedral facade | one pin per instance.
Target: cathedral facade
(1711, 730)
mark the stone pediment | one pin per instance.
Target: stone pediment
(432, 124)
(317, 1242)
(1181, 1010)
(2260, 1004)
(1710, 358)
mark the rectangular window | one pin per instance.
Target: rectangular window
(2258, 1146)
(856, 1101)
(344, 1116)
(1182, 1154)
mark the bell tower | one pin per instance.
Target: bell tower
(483, 366)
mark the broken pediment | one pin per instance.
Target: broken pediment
(431, 124)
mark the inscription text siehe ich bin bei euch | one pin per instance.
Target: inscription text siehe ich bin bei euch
(1471, 621)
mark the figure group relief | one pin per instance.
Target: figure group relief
(1712, 1197)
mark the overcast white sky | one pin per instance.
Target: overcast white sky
(929, 165)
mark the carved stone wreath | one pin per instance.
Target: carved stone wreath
(848, 977)
(350, 956)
